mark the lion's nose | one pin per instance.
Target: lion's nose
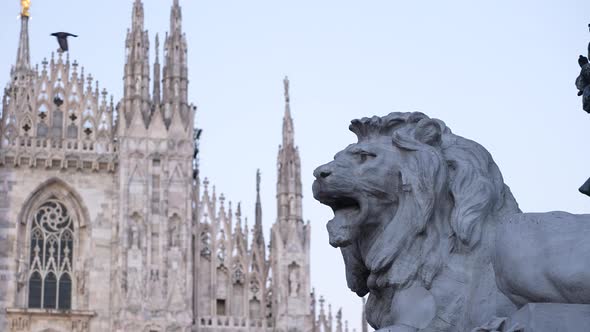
(322, 172)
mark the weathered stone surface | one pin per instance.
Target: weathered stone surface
(418, 207)
(5, 247)
(551, 317)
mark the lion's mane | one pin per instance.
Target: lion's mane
(451, 189)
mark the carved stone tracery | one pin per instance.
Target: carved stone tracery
(51, 258)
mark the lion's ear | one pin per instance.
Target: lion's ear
(428, 132)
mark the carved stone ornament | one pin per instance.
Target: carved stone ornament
(430, 231)
(22, 272)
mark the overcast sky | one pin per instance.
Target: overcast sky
(499, 72)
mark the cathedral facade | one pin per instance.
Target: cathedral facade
(105, 224)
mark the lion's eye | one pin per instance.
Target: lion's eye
(363, 155)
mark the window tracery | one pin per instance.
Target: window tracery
(51, 256)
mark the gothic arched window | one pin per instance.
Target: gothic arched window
(51, 256)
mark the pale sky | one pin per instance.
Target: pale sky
(498, 72)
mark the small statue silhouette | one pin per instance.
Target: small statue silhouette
(583, 85)
(583, 80)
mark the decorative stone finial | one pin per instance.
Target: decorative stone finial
(206, 185)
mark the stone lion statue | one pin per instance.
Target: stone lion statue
(430, 231)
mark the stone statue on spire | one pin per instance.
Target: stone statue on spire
(286, 83)
(25, 6)
(258, 181)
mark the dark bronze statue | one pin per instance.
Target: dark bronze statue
(583, 81)
(583, 85)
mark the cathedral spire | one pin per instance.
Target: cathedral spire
(289, 193)
(175, 73)
(156, 93)
(137, 98)
(137, 16)
(23, 57)
(239, 235)
(288, 130)
(23, 76)
(290, 237)
(258, 235)
(176, 18)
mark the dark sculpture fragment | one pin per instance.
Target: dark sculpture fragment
(583, 81)
(583, 85)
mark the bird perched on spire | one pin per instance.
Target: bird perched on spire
(62, 39)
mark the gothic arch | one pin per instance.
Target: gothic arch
(53, 189)
(64, 190)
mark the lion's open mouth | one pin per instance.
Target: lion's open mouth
(343, 204)
(348, 214)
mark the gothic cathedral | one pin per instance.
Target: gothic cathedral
(105, 224)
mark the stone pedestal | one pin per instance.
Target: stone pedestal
(551, 317)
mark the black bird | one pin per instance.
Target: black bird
(62, 39)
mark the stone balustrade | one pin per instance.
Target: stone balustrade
(59, 153)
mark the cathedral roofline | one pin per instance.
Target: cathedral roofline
(23, 57)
